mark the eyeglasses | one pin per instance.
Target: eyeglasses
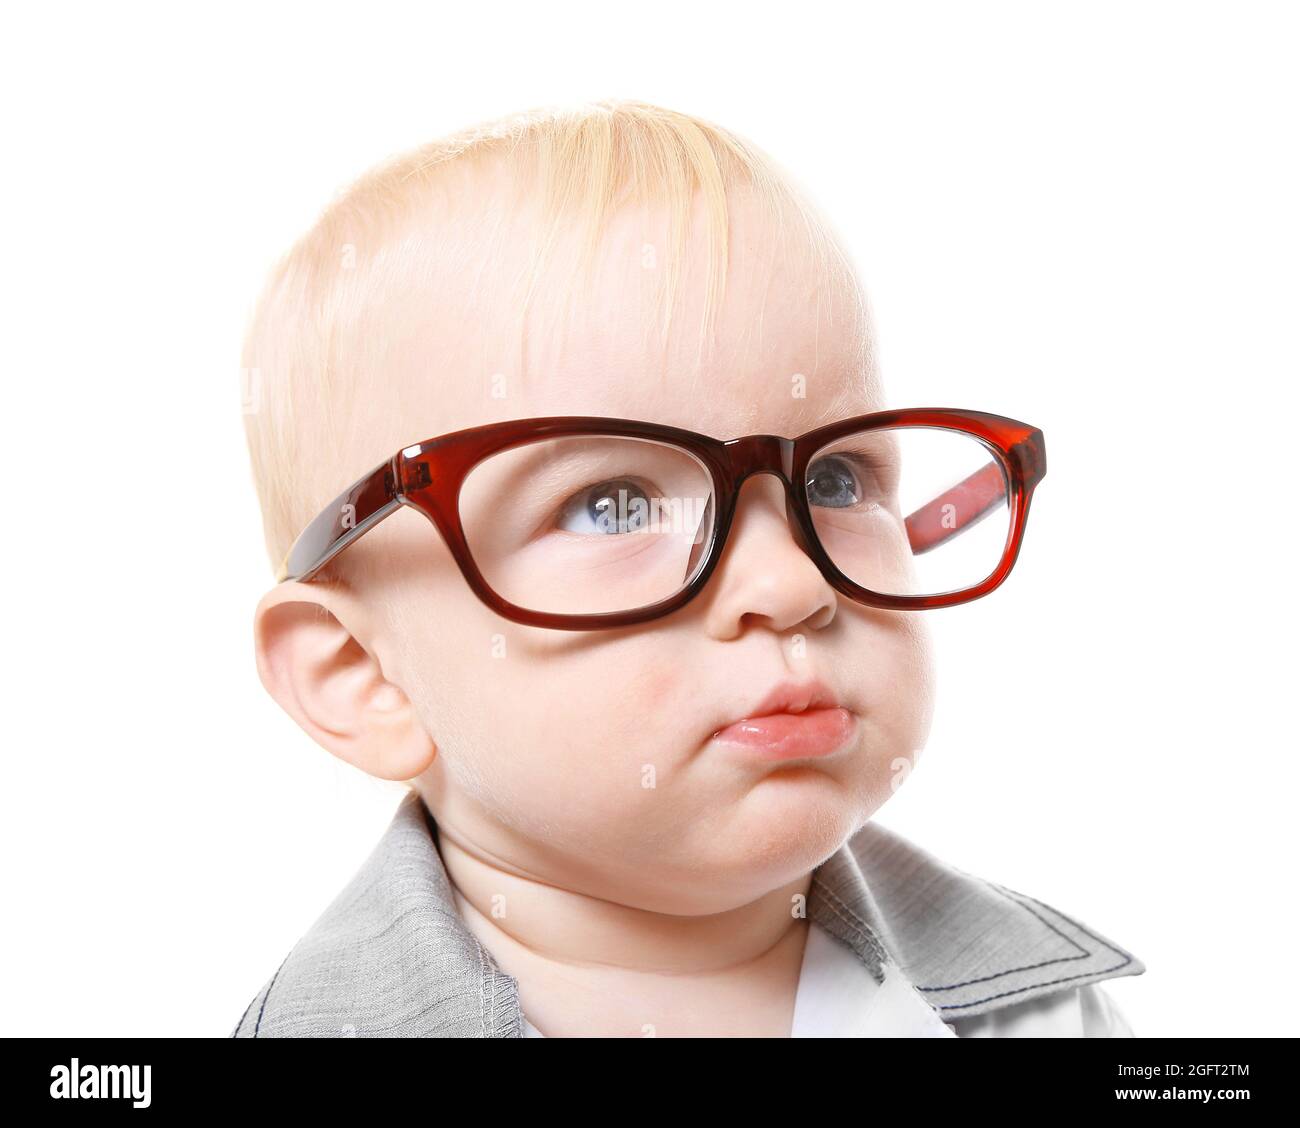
(583, 522)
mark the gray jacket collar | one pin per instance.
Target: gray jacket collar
(392, 957)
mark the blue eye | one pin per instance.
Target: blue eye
(832, 484)
(607, 509)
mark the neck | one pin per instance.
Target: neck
(565, 926)
(591, 965)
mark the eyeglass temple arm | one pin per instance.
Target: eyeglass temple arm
(975, 496)
(350, 515)
(956, 509)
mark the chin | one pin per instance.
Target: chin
(785, 826)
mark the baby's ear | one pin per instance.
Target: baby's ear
(326, 680)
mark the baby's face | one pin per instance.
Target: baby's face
(585, 759)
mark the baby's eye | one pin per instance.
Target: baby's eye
(619, 505)
(833, 483)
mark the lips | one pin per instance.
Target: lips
(795, 697)
(795, 720)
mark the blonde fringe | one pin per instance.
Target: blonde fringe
(579, 164)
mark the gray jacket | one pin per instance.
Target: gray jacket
(391, 956)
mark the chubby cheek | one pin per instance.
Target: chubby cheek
(596, 754)
(899, 707)
(544, 738)
(609, 727)
(572, 744)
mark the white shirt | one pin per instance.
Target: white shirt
(837, 998)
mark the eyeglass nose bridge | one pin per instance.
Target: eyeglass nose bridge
(758, 454)
(767, 454)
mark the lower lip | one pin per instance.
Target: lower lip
(791, 736)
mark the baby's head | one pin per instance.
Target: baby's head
(613, 260)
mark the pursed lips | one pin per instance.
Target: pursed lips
(794, 720)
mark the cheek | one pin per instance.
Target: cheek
(562, 734)
(658, 681)
(918, 655)
(901, 707)
(561, 739)
(604, 712)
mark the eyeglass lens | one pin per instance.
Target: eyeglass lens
(593, 524)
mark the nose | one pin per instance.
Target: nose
(764, 577)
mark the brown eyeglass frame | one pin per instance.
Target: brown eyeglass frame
(428, 476)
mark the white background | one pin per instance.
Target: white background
(1081, 215)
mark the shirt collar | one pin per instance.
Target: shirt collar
(391, 957)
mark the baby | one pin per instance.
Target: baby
(647, 685)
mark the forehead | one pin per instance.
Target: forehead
(790, 347)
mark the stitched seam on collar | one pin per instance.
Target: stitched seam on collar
(1046, 983)
(262, 1009)
(861, 927)
(482, 1000)
(240, 1024)
(1084, 953)
(1033, 986)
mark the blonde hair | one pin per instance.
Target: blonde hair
(304, 351)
